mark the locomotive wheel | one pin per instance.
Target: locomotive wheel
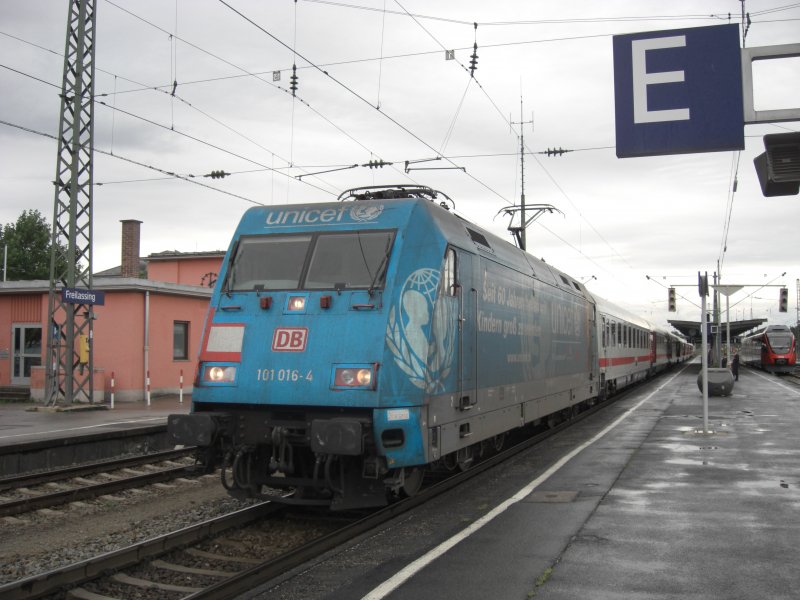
(412, 481)
(449, 462)
(499, 441)
(465, 458)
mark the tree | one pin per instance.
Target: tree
(29, 245)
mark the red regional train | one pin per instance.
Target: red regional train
(772, 348)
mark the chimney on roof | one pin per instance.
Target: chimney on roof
(130, 247)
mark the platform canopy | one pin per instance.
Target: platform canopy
(691, 329)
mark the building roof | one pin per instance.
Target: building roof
(691, 329)
(175, 255)
(117, 271)
(112, 284)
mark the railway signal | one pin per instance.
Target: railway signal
(783, 300)
(671, 299)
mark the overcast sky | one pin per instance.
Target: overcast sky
(390, 94)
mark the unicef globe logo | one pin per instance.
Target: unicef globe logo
(366, 212)
(421, 333)
(424, 282)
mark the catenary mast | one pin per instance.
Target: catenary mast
(69, 364)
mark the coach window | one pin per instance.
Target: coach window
(180, 340)
(603, 329)
(449, 275)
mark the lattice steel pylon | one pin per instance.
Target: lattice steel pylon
(69, 368)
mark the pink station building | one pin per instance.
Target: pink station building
(151, 323)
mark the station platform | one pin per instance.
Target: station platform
(634, 502)
(32, 422)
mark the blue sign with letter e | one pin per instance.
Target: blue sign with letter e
(678, 91)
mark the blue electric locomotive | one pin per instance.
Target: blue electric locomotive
(351, 345)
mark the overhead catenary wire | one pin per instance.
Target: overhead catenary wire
(257, 76)
(358, 96)
(169, 90)
(135, 162)
(726, 223)
(511, 125)
(570, 21)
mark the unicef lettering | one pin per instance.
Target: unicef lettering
(323, 216)
(566, 320)
(305, 217)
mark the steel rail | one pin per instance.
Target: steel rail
(29, 479)
(69, 576)
(29, 504)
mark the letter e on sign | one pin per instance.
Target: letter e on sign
(289, 339)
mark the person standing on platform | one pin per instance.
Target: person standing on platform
(735, 366)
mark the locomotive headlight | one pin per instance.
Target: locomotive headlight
(296, 303)
(219, 374)
(354, 377)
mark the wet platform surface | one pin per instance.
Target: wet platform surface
(31, 422)
(635, 502)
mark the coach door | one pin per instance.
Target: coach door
(467, 331)
(653, 349)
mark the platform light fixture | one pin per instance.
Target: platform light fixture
(778, 168)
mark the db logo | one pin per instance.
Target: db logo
(289, 339)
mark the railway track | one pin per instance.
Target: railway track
(210, 560)
(25, 493)
(794, 377)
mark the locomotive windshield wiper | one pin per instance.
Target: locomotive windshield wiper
(230, 276)
(381, 266)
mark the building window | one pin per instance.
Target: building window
(180, 340)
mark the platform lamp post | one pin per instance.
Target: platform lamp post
(702, 287)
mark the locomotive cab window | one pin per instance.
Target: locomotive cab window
(272, 262)
(349, 260)
(449, 283)
(781, 341)
(338, 261)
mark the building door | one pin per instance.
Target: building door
(26, 352)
